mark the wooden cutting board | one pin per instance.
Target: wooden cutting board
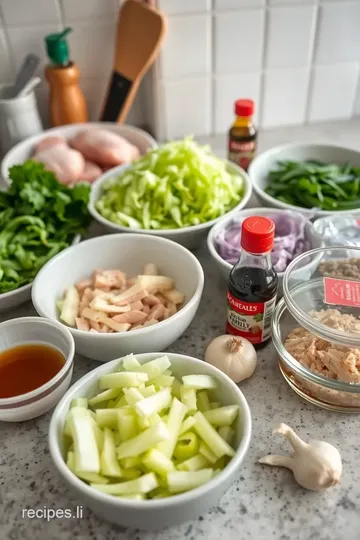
(140, 32)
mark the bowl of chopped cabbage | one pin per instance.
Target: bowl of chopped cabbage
(166, 458)
(177, 191)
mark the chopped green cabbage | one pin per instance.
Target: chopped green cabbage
(177, 185)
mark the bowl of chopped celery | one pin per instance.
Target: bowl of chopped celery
(314, 179)
(177, 191)
(150, 441)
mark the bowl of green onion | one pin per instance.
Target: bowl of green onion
(178, 191)
(315, 179)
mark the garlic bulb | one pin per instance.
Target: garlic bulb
(233, 355)
(316, 465)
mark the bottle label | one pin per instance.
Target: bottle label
(341, 292)
(250, 320)
(242, 152)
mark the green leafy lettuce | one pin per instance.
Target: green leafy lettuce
(38, 218)
(179, 184)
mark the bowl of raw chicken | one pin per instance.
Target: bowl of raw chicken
(81, 152)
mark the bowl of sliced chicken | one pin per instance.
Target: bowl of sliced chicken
(81, 152)
(121, 293)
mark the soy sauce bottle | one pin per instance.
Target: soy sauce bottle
(253, 283)
(242, 134)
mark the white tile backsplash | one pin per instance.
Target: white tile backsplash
(174, 7)
(78, 10)
(6, 71)
(30, 12)
(187, 107)
(187, 47)
(338, 33)
(229, 88)
(284, 99)
(236, 4)
(238, 41)
(333, 92)
(285, 47)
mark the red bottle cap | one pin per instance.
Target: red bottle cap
(257, 234)
(244, 107)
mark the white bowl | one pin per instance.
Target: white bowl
(128, 252)
(15, 298)
(190, 237)
(261, 166)
(39, 401)
(154, 514)
(25, 149)
(225, 267)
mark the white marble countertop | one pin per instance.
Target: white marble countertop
(263, 503)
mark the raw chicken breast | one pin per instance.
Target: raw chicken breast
(104, 147)
(58, 157)
(90, 173)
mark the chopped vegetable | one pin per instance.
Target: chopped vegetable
(136, 439)
(39, 217)
(312, 184)
(177, 185)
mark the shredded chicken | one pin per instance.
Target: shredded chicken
(328, 359)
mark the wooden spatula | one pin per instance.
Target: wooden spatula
(140, 31)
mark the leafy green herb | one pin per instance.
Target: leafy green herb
(177, 185)
(38, 218)
(311, 184)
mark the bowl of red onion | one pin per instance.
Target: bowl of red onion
(294, 235)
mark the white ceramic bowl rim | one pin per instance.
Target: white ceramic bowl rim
(115, 335)
(9, 294)
(291, 146)
(224, 223)
(116, 226)
(157, 503)
(48, 387)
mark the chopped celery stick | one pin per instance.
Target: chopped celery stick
(194, 463)
(87, 457)
(156, 367)
(117, 438)
(143, 422)
(79, 402)
(164, 418)
(203, 402)
(99, 434)
(144, 484)
(221, 462)
(133, 496)
(121, 402)
(126, 427)
(70, 306)
(132, 473)
(129, 363)
(227, 433)
(161, 493)
(211, 437)
(205, 451)
(176, 385)
(132, 396)
(88, 477)
(176, 416)
(104, 396)
(163, 381)
(123, 379)
(155, 419)
(92, 414)
(224, 416)
(167, 372)
(187, 424)
(187, 446)
(179, 481)
(147, 391)
(215, 404)
(111, 403)
(157, 462)
(199, 382)
(109, 465)
(130, 462)
(188, 397)
(144, 441)
(107, 418)
(153, 404)
(77, 410)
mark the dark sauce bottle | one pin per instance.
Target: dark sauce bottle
(242, 134)
(253, 283)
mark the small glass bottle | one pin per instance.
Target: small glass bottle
(253, 283)
(243, 134)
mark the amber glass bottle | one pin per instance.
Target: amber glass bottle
(243, 134)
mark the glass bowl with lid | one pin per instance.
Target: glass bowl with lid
(316, 327)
